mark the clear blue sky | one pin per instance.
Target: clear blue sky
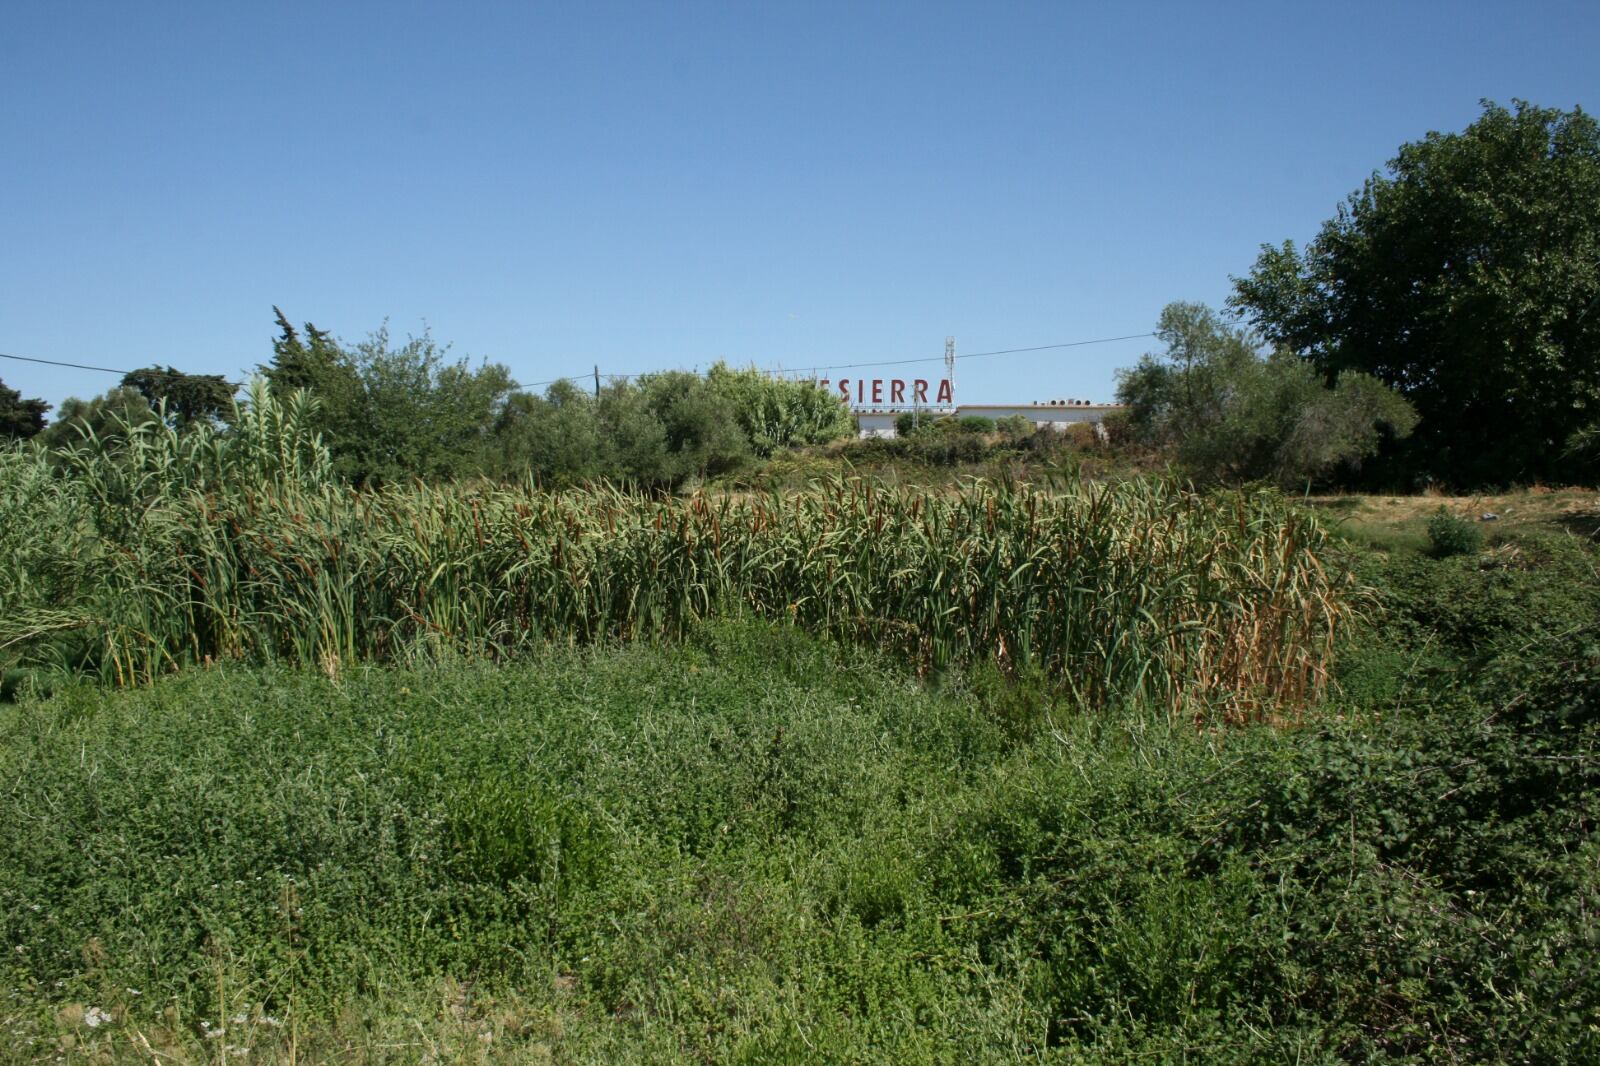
(658, 185)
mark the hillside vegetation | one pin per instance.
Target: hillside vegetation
(298, 772)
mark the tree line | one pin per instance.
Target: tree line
(391, 411)
(1442, 327)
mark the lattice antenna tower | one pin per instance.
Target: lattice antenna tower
(950, 365)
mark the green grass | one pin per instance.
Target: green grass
(754, 846)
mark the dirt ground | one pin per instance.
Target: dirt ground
(1576, 510)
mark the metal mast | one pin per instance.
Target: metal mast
(950, 366)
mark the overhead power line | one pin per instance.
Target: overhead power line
(104, 369)
(56, 362)
(1067, 344)
(882, 362)
(813, 370)
(973, 355)
(235, 384)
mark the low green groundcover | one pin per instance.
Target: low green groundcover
(758, 847)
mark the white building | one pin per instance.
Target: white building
(1051, 414)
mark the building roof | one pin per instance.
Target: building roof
(1031, 404)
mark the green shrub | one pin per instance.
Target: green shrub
(1450, 534)
(777, 412)
(1228, 415)
(1440, 618)
(911, 423)
(502, 831)
(942, 447)
(976, 424)
(1015, 428)
(1419, 864)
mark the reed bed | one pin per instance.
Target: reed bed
(1133, 591)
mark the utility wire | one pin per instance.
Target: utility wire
(624, 377)
(976, 355)
(238, 384)
(53, 362)
(106, 369)
(882, 362)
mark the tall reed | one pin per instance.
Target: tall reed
(1140, 591)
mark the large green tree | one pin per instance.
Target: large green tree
(19, 418)
(777, 412)
(389, 412)
(657, 432)
(416, 412)
(1467, 276)
(186, 398)
(314, 362)
(556, 438)
(1226, 413)
(703, 434)
(105, 417)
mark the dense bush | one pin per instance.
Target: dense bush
(1001, 448)
(20, 418)
(777, 412)
(104, 417)
(1433, 876)
(1227, 414)
(1449, 617)
(1453, 535)
(920, 425)
(391, 412)
(927, 446)
(910, 423)
(657, 432)
(1015, 428)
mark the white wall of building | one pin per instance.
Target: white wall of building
(1056, 416)
(881, 423)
